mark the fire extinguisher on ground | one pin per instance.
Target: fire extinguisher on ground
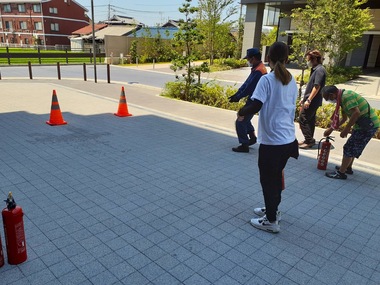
(323, 152)
(1, 254)
(14, 231)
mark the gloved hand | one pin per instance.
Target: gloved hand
(233, 98)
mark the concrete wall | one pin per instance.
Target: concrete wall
(253, 26)
(376, 18)
(374, 51)
(357, 56)
(115, 46)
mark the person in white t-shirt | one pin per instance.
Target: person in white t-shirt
(275, 97)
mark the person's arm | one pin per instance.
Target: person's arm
(313, 93)
(355, 114)
(249, 86)
(330, 129)
(250, 109)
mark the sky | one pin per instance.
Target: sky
(149, 12)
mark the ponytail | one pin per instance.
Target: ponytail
(278, 56)
(281, 73)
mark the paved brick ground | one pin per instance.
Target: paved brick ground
(159, 198)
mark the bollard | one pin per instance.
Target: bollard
(30, 70)
(59, 71)
(108, 73)
(84, 72)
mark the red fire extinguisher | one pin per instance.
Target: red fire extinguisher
(14, 231)
(323, 152)
(1, 254)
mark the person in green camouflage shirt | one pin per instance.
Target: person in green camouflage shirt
(353, 107)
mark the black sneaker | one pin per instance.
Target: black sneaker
(336, 175)
(252, 140)
(241, 148)
(348, 170)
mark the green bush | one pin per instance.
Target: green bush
(336, 75)
(227, 64)
(210, 94)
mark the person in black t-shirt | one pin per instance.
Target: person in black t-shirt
(312, 99)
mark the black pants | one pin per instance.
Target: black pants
(307, 120)
(272, 160)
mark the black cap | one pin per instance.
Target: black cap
(251, 52)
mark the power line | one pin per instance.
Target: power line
(142, 11)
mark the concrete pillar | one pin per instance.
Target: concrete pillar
(253, 26)
(284, 25)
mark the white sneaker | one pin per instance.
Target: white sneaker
(261, 212)
(265, 225)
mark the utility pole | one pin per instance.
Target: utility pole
(93, 39)
(109, 11)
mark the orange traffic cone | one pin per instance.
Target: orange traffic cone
(55, 113)
(123, 107)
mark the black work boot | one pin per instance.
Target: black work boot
(241, 148)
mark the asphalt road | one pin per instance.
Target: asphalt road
(145, 75)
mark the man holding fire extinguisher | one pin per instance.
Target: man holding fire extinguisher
(362, 119)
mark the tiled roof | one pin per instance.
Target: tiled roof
(88, 29)
(114, 31)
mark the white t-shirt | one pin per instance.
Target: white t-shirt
(276, 117)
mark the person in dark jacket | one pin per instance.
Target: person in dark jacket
(244, 129)
(312, 99)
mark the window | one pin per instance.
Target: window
(7, 8)
(1, 24)
(38, 26)
(23, 25)
(37, 8)
(54, 26)
(8, 25)
(26, 41)
(21, 8)
(53, 10)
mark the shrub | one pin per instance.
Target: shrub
(337, 74)
(227, 64)
(210, 94)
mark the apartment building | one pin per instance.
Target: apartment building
(40, 22)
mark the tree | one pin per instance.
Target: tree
(345, 25)
(189, 38)
(306, 35)
(133, 51)
(269, 38)
(332, 26)
(213, 15)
